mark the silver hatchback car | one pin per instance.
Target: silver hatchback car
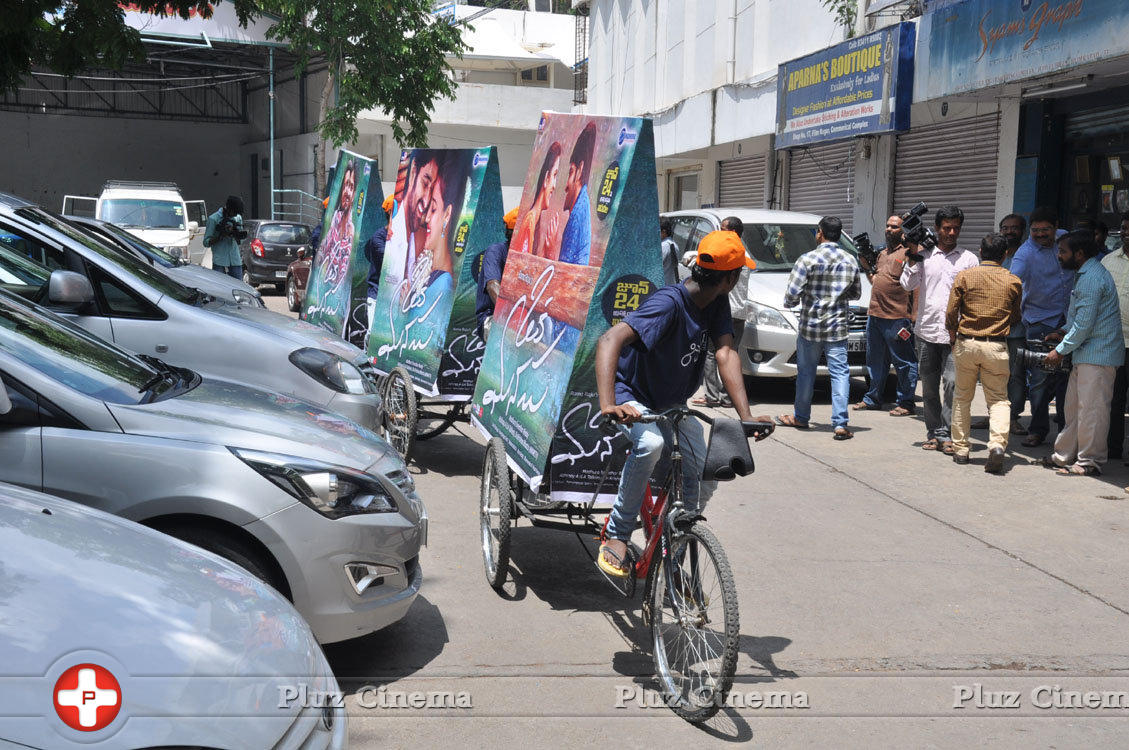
(310, 502)
(144, 310)
(179, 647)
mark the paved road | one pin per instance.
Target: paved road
(880, 582)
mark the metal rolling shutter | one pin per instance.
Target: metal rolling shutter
(951, 163)
(821, 180)
(1096, 122)
(741, 182)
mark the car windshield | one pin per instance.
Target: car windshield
(143, 212)
(777, 247)
(122, 237)
(145, 272)
(66, 353)
(285, 234)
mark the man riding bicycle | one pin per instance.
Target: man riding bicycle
(654, 361)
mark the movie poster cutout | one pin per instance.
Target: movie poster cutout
(448, 209)
(335, 293)
(585, 252)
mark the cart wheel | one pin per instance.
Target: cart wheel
(400, 412)
(428, 427)
(495, 513)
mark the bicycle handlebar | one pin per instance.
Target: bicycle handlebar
(753, 429)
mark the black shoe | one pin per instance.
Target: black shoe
(995, 462)
(960, 458)
(979, 424)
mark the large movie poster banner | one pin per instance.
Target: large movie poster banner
(424, 273)
(566, 231)
(335, 293)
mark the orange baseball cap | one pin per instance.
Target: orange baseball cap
(389, 201)
(510, 218)
(723, 251)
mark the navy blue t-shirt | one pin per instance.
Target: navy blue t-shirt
(489, 268)
(374, 252)
(664, 366)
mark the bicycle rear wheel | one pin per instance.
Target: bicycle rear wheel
(400, 412)
(694, 624)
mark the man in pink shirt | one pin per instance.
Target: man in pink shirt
(933, 280)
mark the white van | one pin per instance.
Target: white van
(154, 211)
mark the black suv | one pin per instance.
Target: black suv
(270, 247)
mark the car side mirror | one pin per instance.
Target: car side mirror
(193, 226)
(68, 289)
(174, 252)
(5, 402)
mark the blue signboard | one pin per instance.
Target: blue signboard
(859, 87)
(974, 44)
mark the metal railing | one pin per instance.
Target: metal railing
(297, 205)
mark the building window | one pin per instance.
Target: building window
(540, 74)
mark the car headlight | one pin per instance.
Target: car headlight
(246, 298)
(331, 370)
(769, 316)
(333, 491)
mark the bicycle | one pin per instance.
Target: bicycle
(690, 598)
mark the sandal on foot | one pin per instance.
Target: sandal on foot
(931, 444)
(900, 411)
(865, 406)
(788, 420)
(842, 433)
(948, 448)
(1048, 462)
(611, 563)
(1078, 470)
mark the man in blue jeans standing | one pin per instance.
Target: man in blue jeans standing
(823, 282)
(223, 234)
(653, 361)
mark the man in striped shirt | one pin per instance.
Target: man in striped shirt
(1092, 336)
(823, 282)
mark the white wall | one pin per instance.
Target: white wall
(47, 156)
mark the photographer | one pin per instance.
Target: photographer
(223, 234)
(1092, 336)
(930, 272)
(889, 330)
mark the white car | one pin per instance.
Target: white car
(115, 635)
(154, 211)
(774, 239)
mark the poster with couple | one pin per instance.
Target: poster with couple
(335, 293)
(448, 210)
(585, 253)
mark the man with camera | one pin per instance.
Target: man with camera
(1092, 337)
(889, 331)
(983, 306)
(223, 233)
(1046, 294)
(932, 263)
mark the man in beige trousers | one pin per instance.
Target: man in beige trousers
(983, 306)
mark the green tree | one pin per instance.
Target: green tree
(845, 12)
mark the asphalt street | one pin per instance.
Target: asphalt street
(903, 599)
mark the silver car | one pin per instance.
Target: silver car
(144, 310)
(775, 240)
(207, 280)
(310, 502)
(183, 649)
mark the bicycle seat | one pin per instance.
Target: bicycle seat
(728, 455)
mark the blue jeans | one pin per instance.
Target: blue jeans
(1042, 387)
(883, 348)
(233, 271)
(807, 360)
(647, 444)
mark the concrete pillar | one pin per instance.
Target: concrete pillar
(874, 183)
(1005, 163)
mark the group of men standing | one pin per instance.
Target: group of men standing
(952, 318)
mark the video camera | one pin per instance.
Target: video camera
(866, 250)
(228, 228)
(1034, 356)
(914, 231)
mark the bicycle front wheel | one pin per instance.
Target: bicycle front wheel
(694, 624)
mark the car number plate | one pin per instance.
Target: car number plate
(280, 274)
(856, 345)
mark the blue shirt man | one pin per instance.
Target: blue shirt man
(489, 268)
(1093, 320)
(225, 244)
(576, 243)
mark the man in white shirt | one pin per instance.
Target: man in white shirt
(933, 278)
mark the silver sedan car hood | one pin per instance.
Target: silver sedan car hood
(187, 635)
(299, 332)
(222, 412)
(212, 282)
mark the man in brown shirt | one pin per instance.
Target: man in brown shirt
(983, 306)
(889, 330)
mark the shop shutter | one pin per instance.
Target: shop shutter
(821, 180)
(741, 182)
(1096, 122)
(951, 163)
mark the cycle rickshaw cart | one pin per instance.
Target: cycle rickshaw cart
(423, 339)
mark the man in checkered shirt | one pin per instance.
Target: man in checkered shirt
(823, 282)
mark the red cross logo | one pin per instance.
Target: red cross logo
(87, 697)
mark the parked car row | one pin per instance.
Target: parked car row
(128, 387)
